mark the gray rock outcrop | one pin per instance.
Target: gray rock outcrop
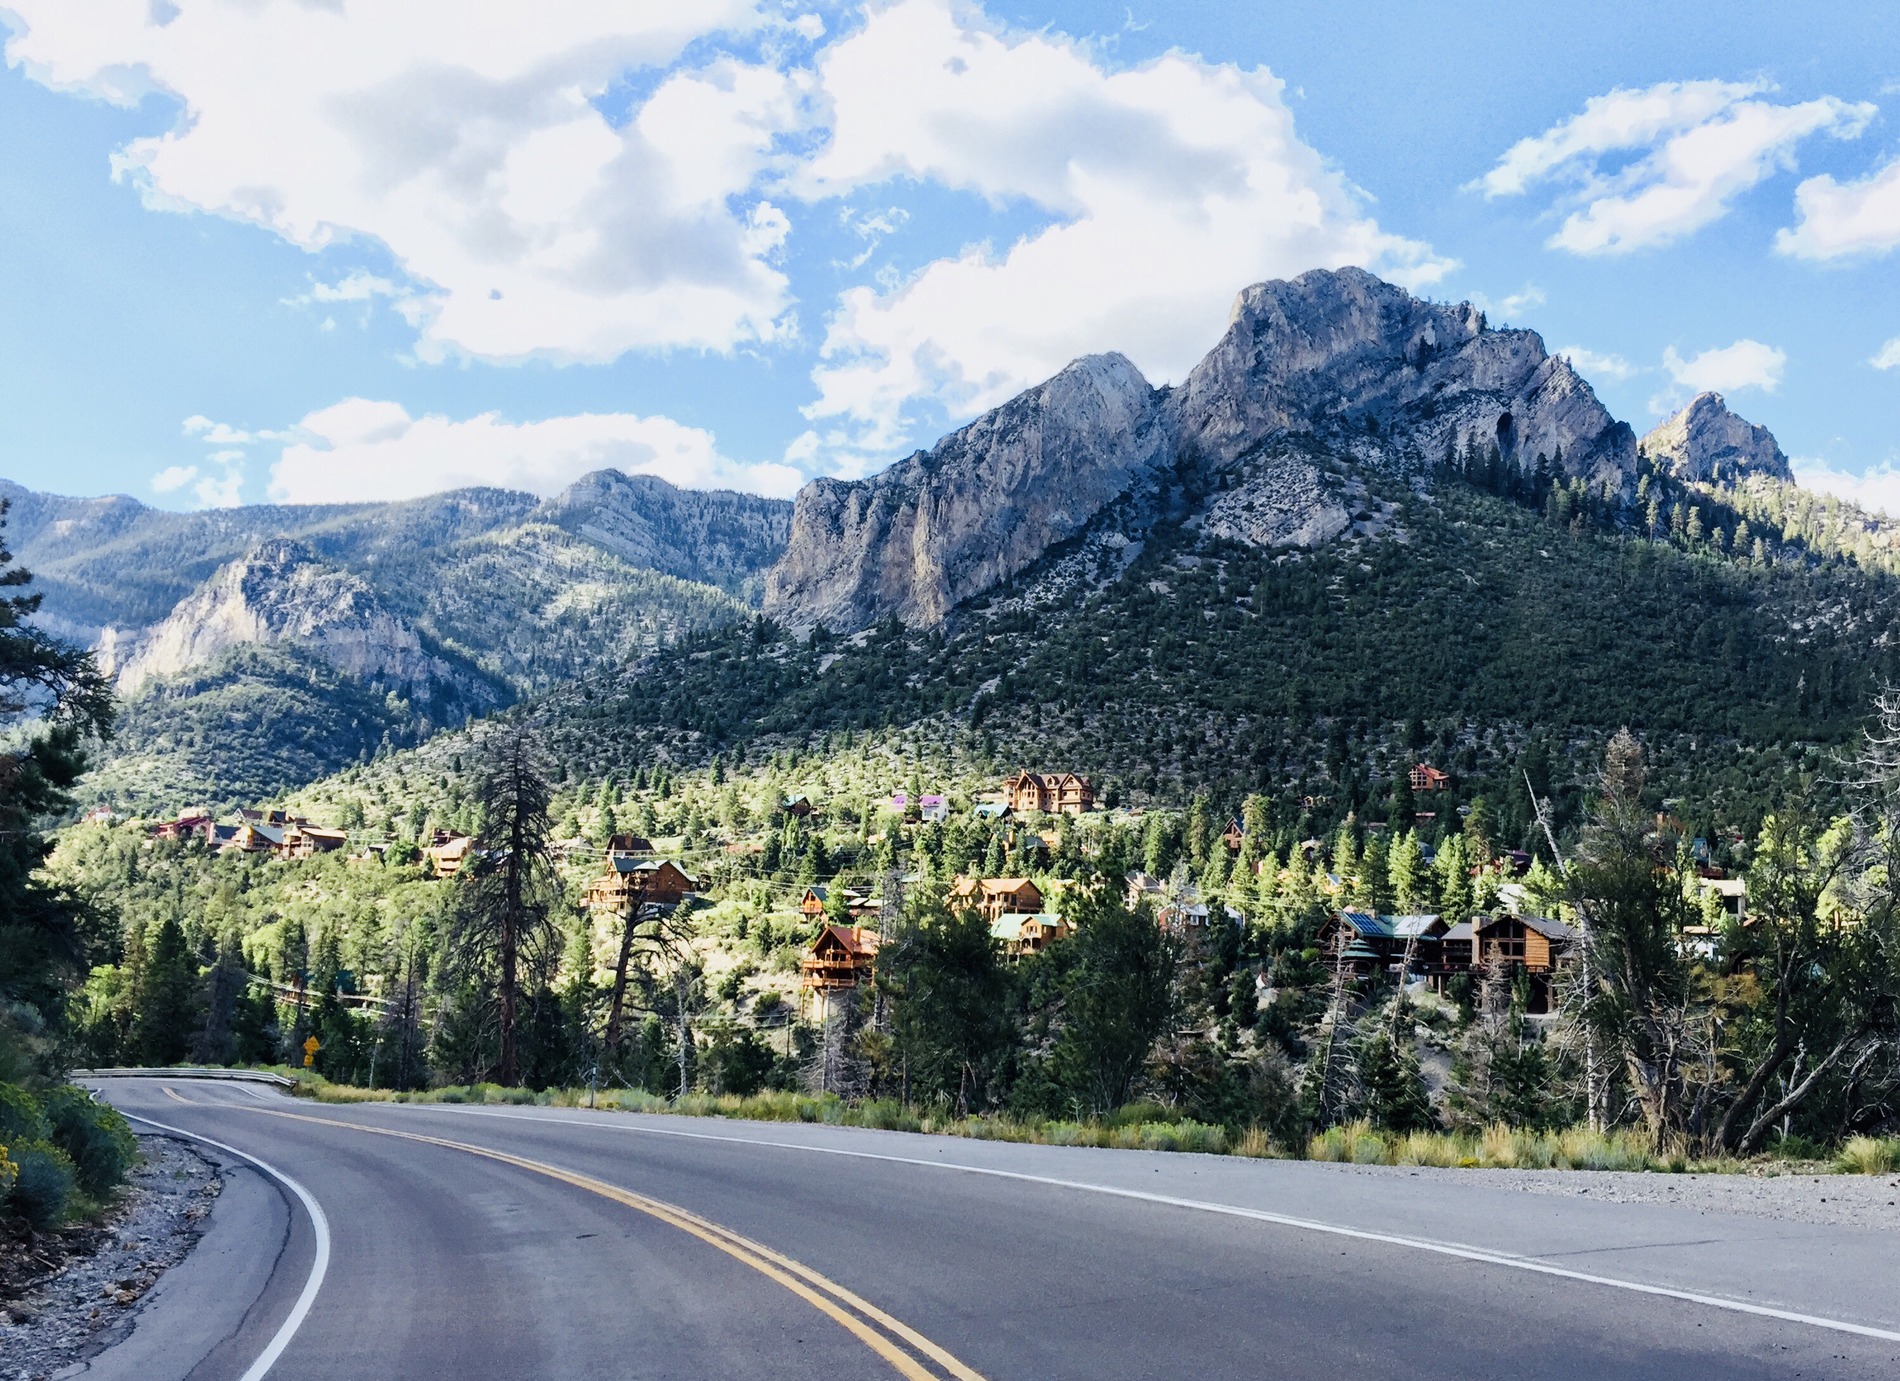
(986, 501)
(1339, 357)
(279, 592)
(1705, 442)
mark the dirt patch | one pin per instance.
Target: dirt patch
(67, 1295)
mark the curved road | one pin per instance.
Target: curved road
(436, 1241)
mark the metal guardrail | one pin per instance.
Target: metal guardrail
(251, 1076)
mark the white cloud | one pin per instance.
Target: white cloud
(226, 488)
(1594, 366)
(1887, 356)
(362, 449)
(212, 433)
(1836, 219)
(1725, 369)
(1877, 489)
(173, 477)
(1167, 188)
(1510, 307)
(1690, 148)
(465, 136)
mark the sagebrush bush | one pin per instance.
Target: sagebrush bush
(43, 1189)
(21, 1117)
(94, 1136)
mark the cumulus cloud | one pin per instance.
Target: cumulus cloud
(363, 448)
(1596, 365)
(1877, 488)
(223, 488)
(1887, 356)
(173, 478)
(1686, 151)
(1162, 190)
(1837, 219)
(1724, 369)
(471, 139)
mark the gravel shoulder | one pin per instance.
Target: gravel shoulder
(1850, 1201)
(87, 1302)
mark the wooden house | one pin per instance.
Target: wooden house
(995, 897)
(192, 824)
(1425, 777)
(814, 902)
(630, 882)
(841, 959)
(1021, 935)
(1364, 943)
(1533, 945)
(447, 853)
(250, 838)
(305, 840)
(1234, 836)
(800, 806)
(1052, 793)
(628, 844)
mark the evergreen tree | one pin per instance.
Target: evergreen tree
(52, 702)
(167, 999)
(501, 929)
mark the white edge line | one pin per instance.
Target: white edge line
(1452, 1249)
(318, 1268)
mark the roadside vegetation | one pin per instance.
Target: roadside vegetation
(61, 1155)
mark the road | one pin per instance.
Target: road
(441, 1241)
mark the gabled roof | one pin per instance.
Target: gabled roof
(1404, 927)
(855, 939)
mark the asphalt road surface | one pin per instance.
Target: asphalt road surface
(435, 1241)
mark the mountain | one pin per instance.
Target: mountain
(1336, 358)
(414, 614)
(1365, 529)
(279, 592)
(1707, 443)
(929, 532)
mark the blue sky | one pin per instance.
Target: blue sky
(258, 249)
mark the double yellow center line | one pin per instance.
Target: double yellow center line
(896, 1342)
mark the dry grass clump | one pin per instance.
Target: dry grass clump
(1494, 1147)
(1869, 1155)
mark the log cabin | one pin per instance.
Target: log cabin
(995, 897)
(841, 959)
(633, 882)
(1022, 935)
(1425, 777)
(1051, 793)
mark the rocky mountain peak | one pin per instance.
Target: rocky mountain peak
(1333, 362)
(279, 591)
(1706, 442)
(931, 531)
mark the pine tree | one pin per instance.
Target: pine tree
(52, 702)
(501, 930)
(167, 999)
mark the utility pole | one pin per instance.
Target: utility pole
(1592, 1079)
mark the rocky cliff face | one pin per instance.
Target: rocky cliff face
(280, 593)
(1705, 442)
(712, 535)
(981, 505)
(1339, 359)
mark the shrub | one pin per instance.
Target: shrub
(21, 1117)
(94, 1136)
(1867, 1155)
(43, 1188)
(9, 1172)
